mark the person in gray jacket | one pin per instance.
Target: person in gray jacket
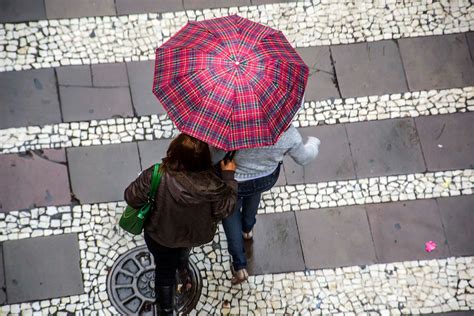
(257, 171)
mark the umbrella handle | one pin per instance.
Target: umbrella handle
(229, 156)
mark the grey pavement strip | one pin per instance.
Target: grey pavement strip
(92, 40)
(410, 287)
(151, 127)
(55, 272)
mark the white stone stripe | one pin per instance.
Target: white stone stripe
(410, 287)
(367, 191)
(123, 130)
(91, 40)
(51, 220)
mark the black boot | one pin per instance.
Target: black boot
(165, 300)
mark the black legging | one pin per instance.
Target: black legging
(167, 261)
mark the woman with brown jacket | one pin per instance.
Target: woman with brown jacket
(189, 203)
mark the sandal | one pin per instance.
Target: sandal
(240, 276)
(248, 236)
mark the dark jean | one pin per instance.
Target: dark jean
(167, 261)
(243, 217)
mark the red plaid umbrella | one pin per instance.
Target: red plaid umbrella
(230, 82)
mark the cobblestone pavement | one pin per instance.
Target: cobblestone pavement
(390, 95)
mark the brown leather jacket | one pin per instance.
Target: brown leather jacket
(188, 205)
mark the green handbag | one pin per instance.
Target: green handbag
(132, 219)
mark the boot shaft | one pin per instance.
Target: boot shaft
(166, 300)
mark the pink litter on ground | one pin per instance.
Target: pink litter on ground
(430, 246)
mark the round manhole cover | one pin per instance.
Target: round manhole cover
(131, 283)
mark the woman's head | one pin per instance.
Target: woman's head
(187, 153)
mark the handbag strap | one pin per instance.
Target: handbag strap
(155, 181)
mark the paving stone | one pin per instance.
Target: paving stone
(276, 245)
(109, 75)
(56, 9)
(86, 103)
(369, 68)
(28, 98)
(436, 62)
(101, 174)
(457, 214)
(3, 294)
(21, 10)
(447, 140)
(334, 161)
(209, 4)
(322, 79)
(470, 42)
(143, 6)
(74, 75)
(152, 152)
(41, 268)
(141, 82)
(400, 230)
(34, 179)
(335, 237)
(386, 147)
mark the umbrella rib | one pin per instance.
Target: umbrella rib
(266, 76)
(266, 114)
(279, 87)
(282, 49)
(195, 71)
(219, 40)
(194, 106)
(295, 64)
(172, 83)
(248, 31)
(200, 105)
(186, 47)
(291, 65)
(193, 49)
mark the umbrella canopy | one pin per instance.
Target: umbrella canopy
(230, 82)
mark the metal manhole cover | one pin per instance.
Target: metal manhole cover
(131, 283)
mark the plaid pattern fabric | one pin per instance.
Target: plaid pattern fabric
(230, 82)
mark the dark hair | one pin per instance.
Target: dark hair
(187, 153)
